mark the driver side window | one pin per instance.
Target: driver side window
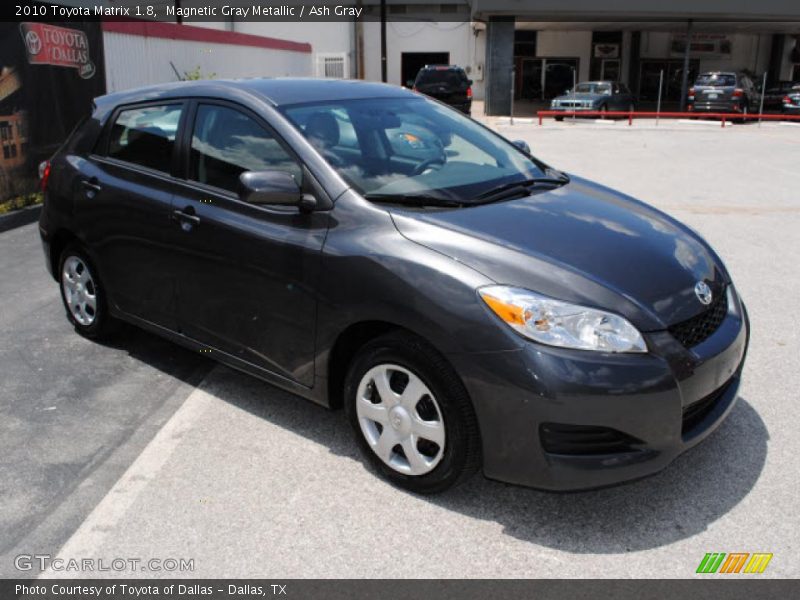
(227, 143)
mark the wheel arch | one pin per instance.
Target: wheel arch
(61, 239)
(347, 344)
(345, 347)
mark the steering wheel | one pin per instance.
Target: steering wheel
(425, 164)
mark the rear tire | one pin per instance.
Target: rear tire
(83, 294)
(411, 414)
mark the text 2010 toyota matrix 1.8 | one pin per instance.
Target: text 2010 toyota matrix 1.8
(367, 247)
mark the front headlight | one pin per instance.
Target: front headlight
(558, 323)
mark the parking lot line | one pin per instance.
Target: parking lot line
(108, 512)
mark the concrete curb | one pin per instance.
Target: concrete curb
(21, 217)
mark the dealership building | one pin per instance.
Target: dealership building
(536, 46)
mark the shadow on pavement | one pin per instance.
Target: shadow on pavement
(698, 488)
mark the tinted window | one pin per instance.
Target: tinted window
(226, 143)
(593, 88)
(716, 79)
(146, 136)
(454, 77)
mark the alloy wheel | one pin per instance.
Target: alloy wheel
(80, 291)
(400, 419)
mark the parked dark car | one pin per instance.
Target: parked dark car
(774, 94)
(722, 92)
(600, 96)
(445, 83)
(363, 246)
(791, 101)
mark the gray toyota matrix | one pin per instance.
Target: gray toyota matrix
(366, 247)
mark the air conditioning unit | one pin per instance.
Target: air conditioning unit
(332, 65)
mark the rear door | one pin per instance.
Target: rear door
(123, 207)
(247, 273)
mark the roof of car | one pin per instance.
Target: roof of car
(454, 67)
(278, 91)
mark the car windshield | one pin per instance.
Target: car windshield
(593, 88)
(716, 79)
(452, 77)
(402, 147)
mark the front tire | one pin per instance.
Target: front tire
(411, 414)
(83, 294)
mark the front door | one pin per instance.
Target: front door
(247, 273)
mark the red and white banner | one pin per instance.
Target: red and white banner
(58, 46)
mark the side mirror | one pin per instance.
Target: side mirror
(273, 187)
(522, 145)
(470, 82)
(410, 83)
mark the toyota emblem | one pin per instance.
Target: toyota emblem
(703, 292)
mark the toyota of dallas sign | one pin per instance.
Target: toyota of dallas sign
(59, 46)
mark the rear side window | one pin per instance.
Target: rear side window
(145, 136)
(226, 143)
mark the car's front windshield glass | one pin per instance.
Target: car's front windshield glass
(593, 88)
(411, 147)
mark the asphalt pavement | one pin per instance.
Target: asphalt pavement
(115, 452)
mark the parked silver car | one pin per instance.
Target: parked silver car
(600, 96)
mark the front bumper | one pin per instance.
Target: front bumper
(661, 404)
(573, 108)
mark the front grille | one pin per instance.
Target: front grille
(560, 438)
(693, 331)
(694, 414)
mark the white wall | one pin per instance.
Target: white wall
(456, 38)
(567, 44)
(133, 60)
(335, 37)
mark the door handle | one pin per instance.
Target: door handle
(187, 220)
(91, 186)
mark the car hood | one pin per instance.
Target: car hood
(582, 243)
(582, 97)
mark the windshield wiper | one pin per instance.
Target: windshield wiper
(414, 200)
(515, 188)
